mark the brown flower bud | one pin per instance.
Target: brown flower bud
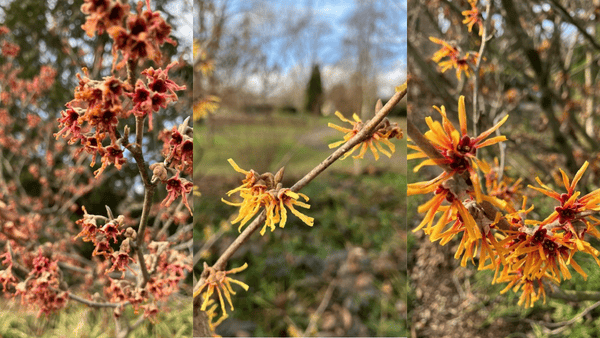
(159, 171)
(130, 233)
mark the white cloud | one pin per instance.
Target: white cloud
(389, 80)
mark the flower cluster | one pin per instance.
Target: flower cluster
(258, 191)
(13, 86)
(42, 286)
(101, 236)
(165, 266)
(383, 133)
(103, 14)
(457, 150)
(169, 267)
(155, 94)
(522, 252)
(178, 147)
(93, 116)
(135, 35)
(544, 250)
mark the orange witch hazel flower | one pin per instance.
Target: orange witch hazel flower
(472, 17)
(462, 64)
(570, 202)
(385, 131)
(572, 208)
(458, 150)
(258, 191)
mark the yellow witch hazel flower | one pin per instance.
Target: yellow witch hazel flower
(276, 212)
(384, 132)
(258, 191)
(205, 106)
(218, 280)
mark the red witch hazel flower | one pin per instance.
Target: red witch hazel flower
(150, 97)
(178, 146)
(112, 154)
(176, 187)
(102, 14)
(121, 259)
(40, 289)
(146, 31)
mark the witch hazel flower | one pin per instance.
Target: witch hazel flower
(258, 191)
(141, 37)
(176, 187)
(383, 133)
(92, 116)
(457, 149)
(121, 259)
(473, 17)
(178, 146)
(41, 288)
(156, 93)
(462, 63)
(102, 14)
(221, 282)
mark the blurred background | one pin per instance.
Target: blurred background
(541, 68)
(268, 77)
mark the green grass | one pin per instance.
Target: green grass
(298, 143)
(78, 320)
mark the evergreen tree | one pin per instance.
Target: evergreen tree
(314, 92)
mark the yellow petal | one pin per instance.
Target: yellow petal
(578, 175)
(462, 115)
(236, 167)
(341, 117)
(308, 220)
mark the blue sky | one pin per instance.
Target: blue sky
(335, 13)
(331, 51)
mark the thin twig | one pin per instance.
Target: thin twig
(561, 326)
(484, 39)
(312, 324)
(94, 304)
